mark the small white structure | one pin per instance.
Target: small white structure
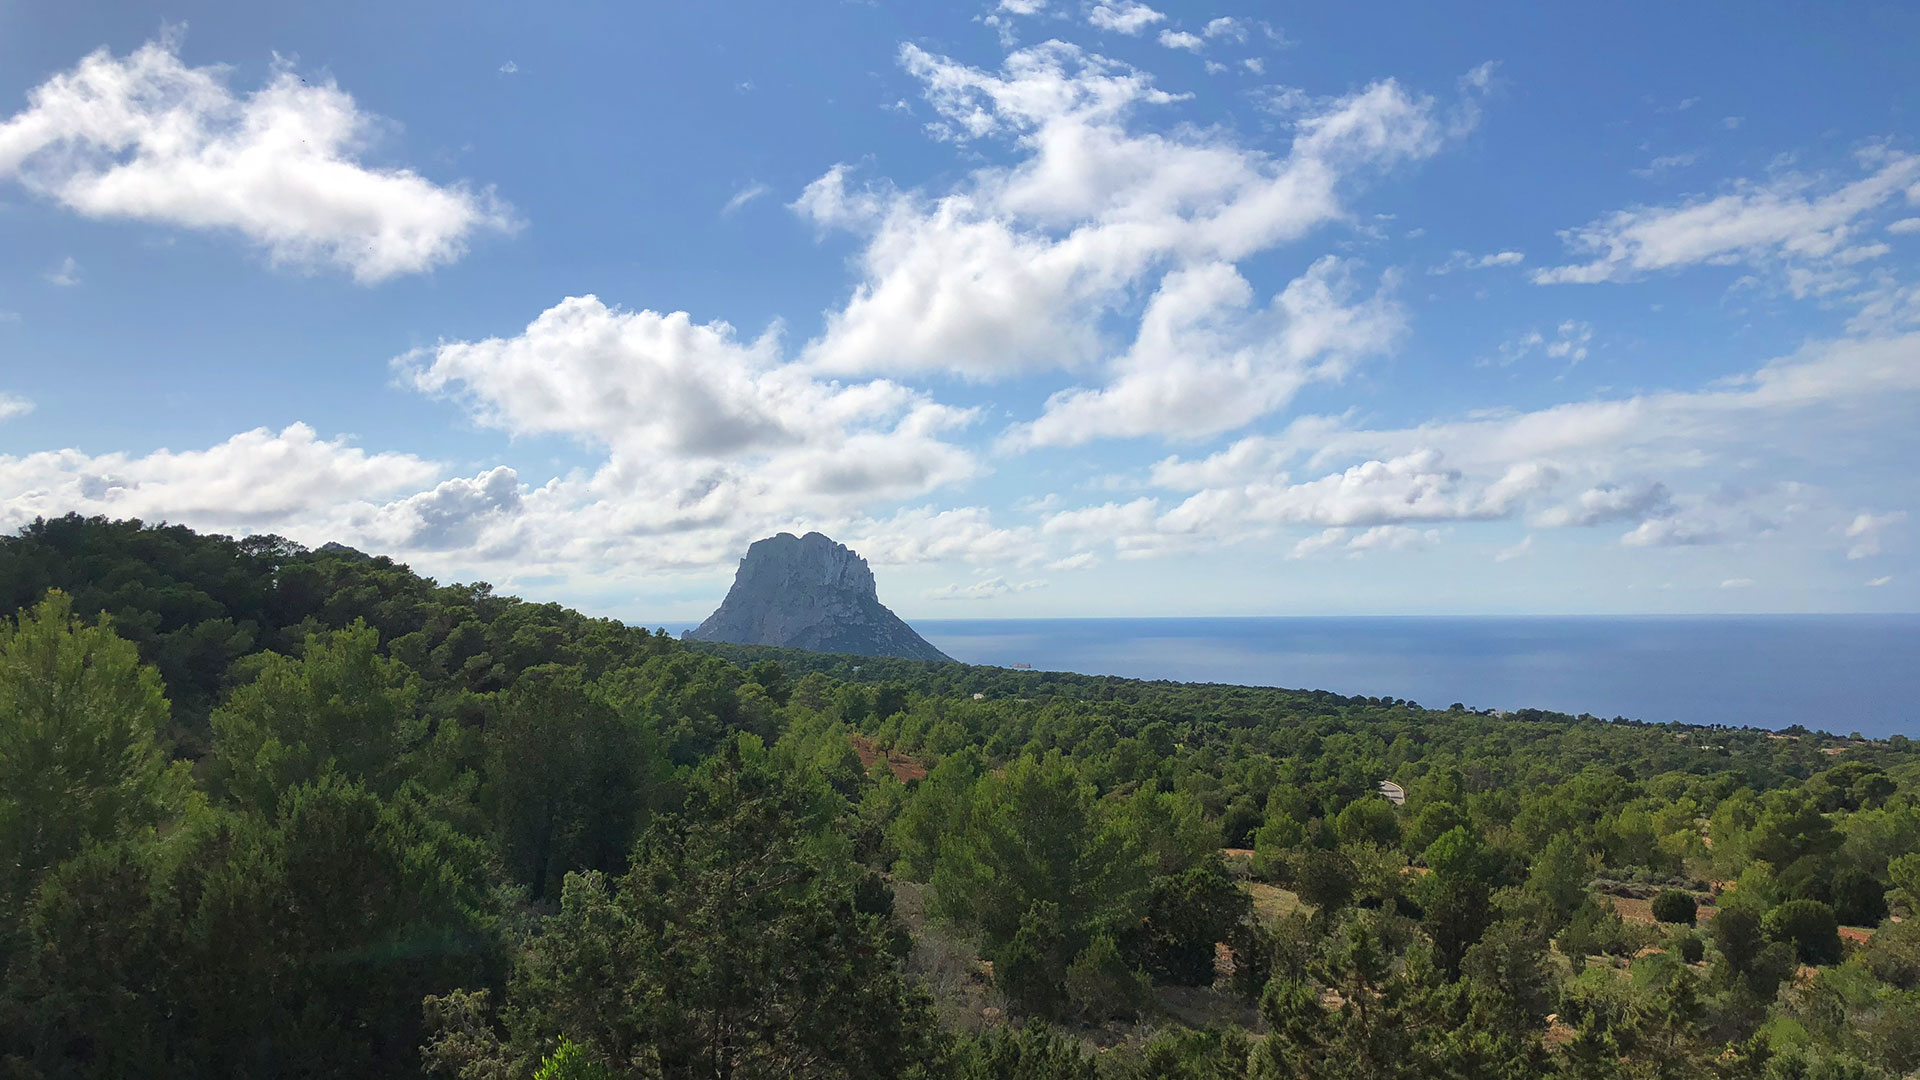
(1393, 792)
(979, 697)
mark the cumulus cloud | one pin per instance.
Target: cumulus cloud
(924, 534)
(1609, 502)
(1518, 464)
(1033, 265)
(1868, 532)
(257, 480)
(1670, 532)
(985, 589)
(699, 425)
(1227, 27)
(455, 513)
(1180, 39)
(1205, 362)
(1792, 217)
(146, 138)
(1126, 17)
(12, 405)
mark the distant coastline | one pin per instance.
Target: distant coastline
(1840, 673)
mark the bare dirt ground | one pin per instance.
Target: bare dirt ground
(904, 768)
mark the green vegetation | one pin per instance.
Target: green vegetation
(270, 812)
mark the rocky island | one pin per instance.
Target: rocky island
(808, 592)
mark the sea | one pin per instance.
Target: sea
(1838, 673)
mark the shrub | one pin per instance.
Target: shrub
(1811, 927)
(1596, 927)
(1027, 971)
(1894, 954)
(1187, 915)
(1674, 906)
(1691, 948)
(1102, 987)
(1859, 898)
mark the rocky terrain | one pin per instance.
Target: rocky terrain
(808, 592)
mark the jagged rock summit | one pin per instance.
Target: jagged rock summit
(807, 592)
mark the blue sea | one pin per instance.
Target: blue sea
(1840, 673)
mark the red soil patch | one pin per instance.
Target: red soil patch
(904, 768)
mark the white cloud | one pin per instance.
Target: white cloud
(1180, 39)
(1571, 341)
(1737, 583)
(509, 68)
(1023, 7)
(1875, 583)
(1792, 217)
(66, 274)
(1905, 226)
(1507, 464)
(1517, 551)
(1609, 502)
(744, 196)
(1377, 538)
(699, 426)
(1461, 260)
(1255, 65)
(1227, 27)
(1079, 560)
(1205, 361)
(1670, 532)
(1667, 163)
(925, 534)
(985, 589)
(1319, 543)
(1126, 17)
(1037, 264)
(12, 405)
(257, 480)
(1869, 531)
(146, 138)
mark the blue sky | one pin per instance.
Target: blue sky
(1048, 308)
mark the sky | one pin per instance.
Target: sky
(1046, 307)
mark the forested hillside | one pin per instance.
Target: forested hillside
(274, 812)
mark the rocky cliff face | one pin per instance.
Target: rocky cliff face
(808, 592)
